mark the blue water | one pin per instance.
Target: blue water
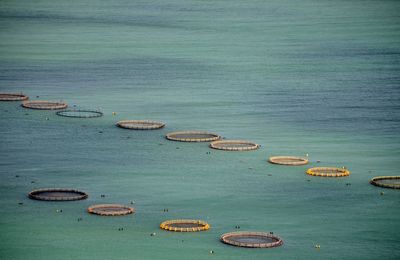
(297, 77)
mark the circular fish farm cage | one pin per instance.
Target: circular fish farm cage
(57, 194)
(392, 182)
(110, 210)
(328, 172)
(140, 124)
(185, 225)
(12, 97)
(193, 136)
(288, 160)
(251, 239)
(234, 145)
(44, 105)
(79, 113)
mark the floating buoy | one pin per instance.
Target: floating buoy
(317, 246)
(113, 113)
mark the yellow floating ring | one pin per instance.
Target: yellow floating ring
(377, 181)
(328, 172)
(185, 225)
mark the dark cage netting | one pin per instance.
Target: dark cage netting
(57, 194)
(251, 239)
(392, 182)
(80, 113)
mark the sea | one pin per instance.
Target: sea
(312, 77)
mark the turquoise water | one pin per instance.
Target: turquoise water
(297, 77)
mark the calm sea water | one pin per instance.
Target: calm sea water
(297, 77)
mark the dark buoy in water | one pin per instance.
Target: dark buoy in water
(153, 234)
